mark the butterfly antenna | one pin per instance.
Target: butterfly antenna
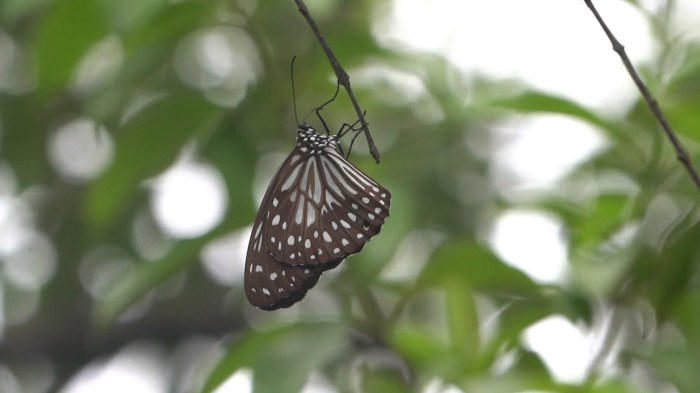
(294, 95)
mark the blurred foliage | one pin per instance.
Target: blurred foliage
(138, 68)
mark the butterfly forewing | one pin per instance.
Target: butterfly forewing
(330, 211)
(318, 209)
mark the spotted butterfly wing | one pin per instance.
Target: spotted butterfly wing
(318, 209)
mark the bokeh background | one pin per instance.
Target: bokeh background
(543, 237)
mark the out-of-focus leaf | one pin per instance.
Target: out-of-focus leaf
(126, 15)
(427, 352)
(146, 145)
(135, 283)
(540, 102)
(516, 316)
(383, 381)
(462, 321)
(475, 266)
(66, 33)
(23, 133)
(281, 358)
(573, 305)
(679, 366)
(680, 103)
(678, 266)
(11, 10)
(600, 221)
(688, 317)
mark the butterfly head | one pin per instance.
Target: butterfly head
(315, 143)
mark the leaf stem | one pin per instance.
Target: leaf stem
(681, 152)
(343, 77)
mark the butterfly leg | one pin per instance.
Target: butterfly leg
(347, 128)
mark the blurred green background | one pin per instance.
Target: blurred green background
(103, 103)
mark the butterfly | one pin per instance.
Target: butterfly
(318, 209)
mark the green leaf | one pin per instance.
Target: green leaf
(473, 265)
(540, 102)
(605, 217)
(148, 143)
(135, 283)
(679, 366)
(675, 269)
(383, 381)
(427, 352)
(64, 36)
(127, 15)
(148, 275)
(281, 358)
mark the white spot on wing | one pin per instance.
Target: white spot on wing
(300, 210)
(318, 191)
(291, 179)
(330, 199)
(310, 214)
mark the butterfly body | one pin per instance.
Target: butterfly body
(318, 209)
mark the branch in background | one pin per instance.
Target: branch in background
(343, 77)
(681, 153)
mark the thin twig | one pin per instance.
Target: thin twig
(343, 77)
(681, 152)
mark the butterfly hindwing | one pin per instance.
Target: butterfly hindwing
(270, 284)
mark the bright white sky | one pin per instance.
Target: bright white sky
(554, 45)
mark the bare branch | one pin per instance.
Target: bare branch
(681, 152)
(343, 77)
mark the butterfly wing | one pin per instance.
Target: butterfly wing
(326, 209)
(318, 209)
(270, 284)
